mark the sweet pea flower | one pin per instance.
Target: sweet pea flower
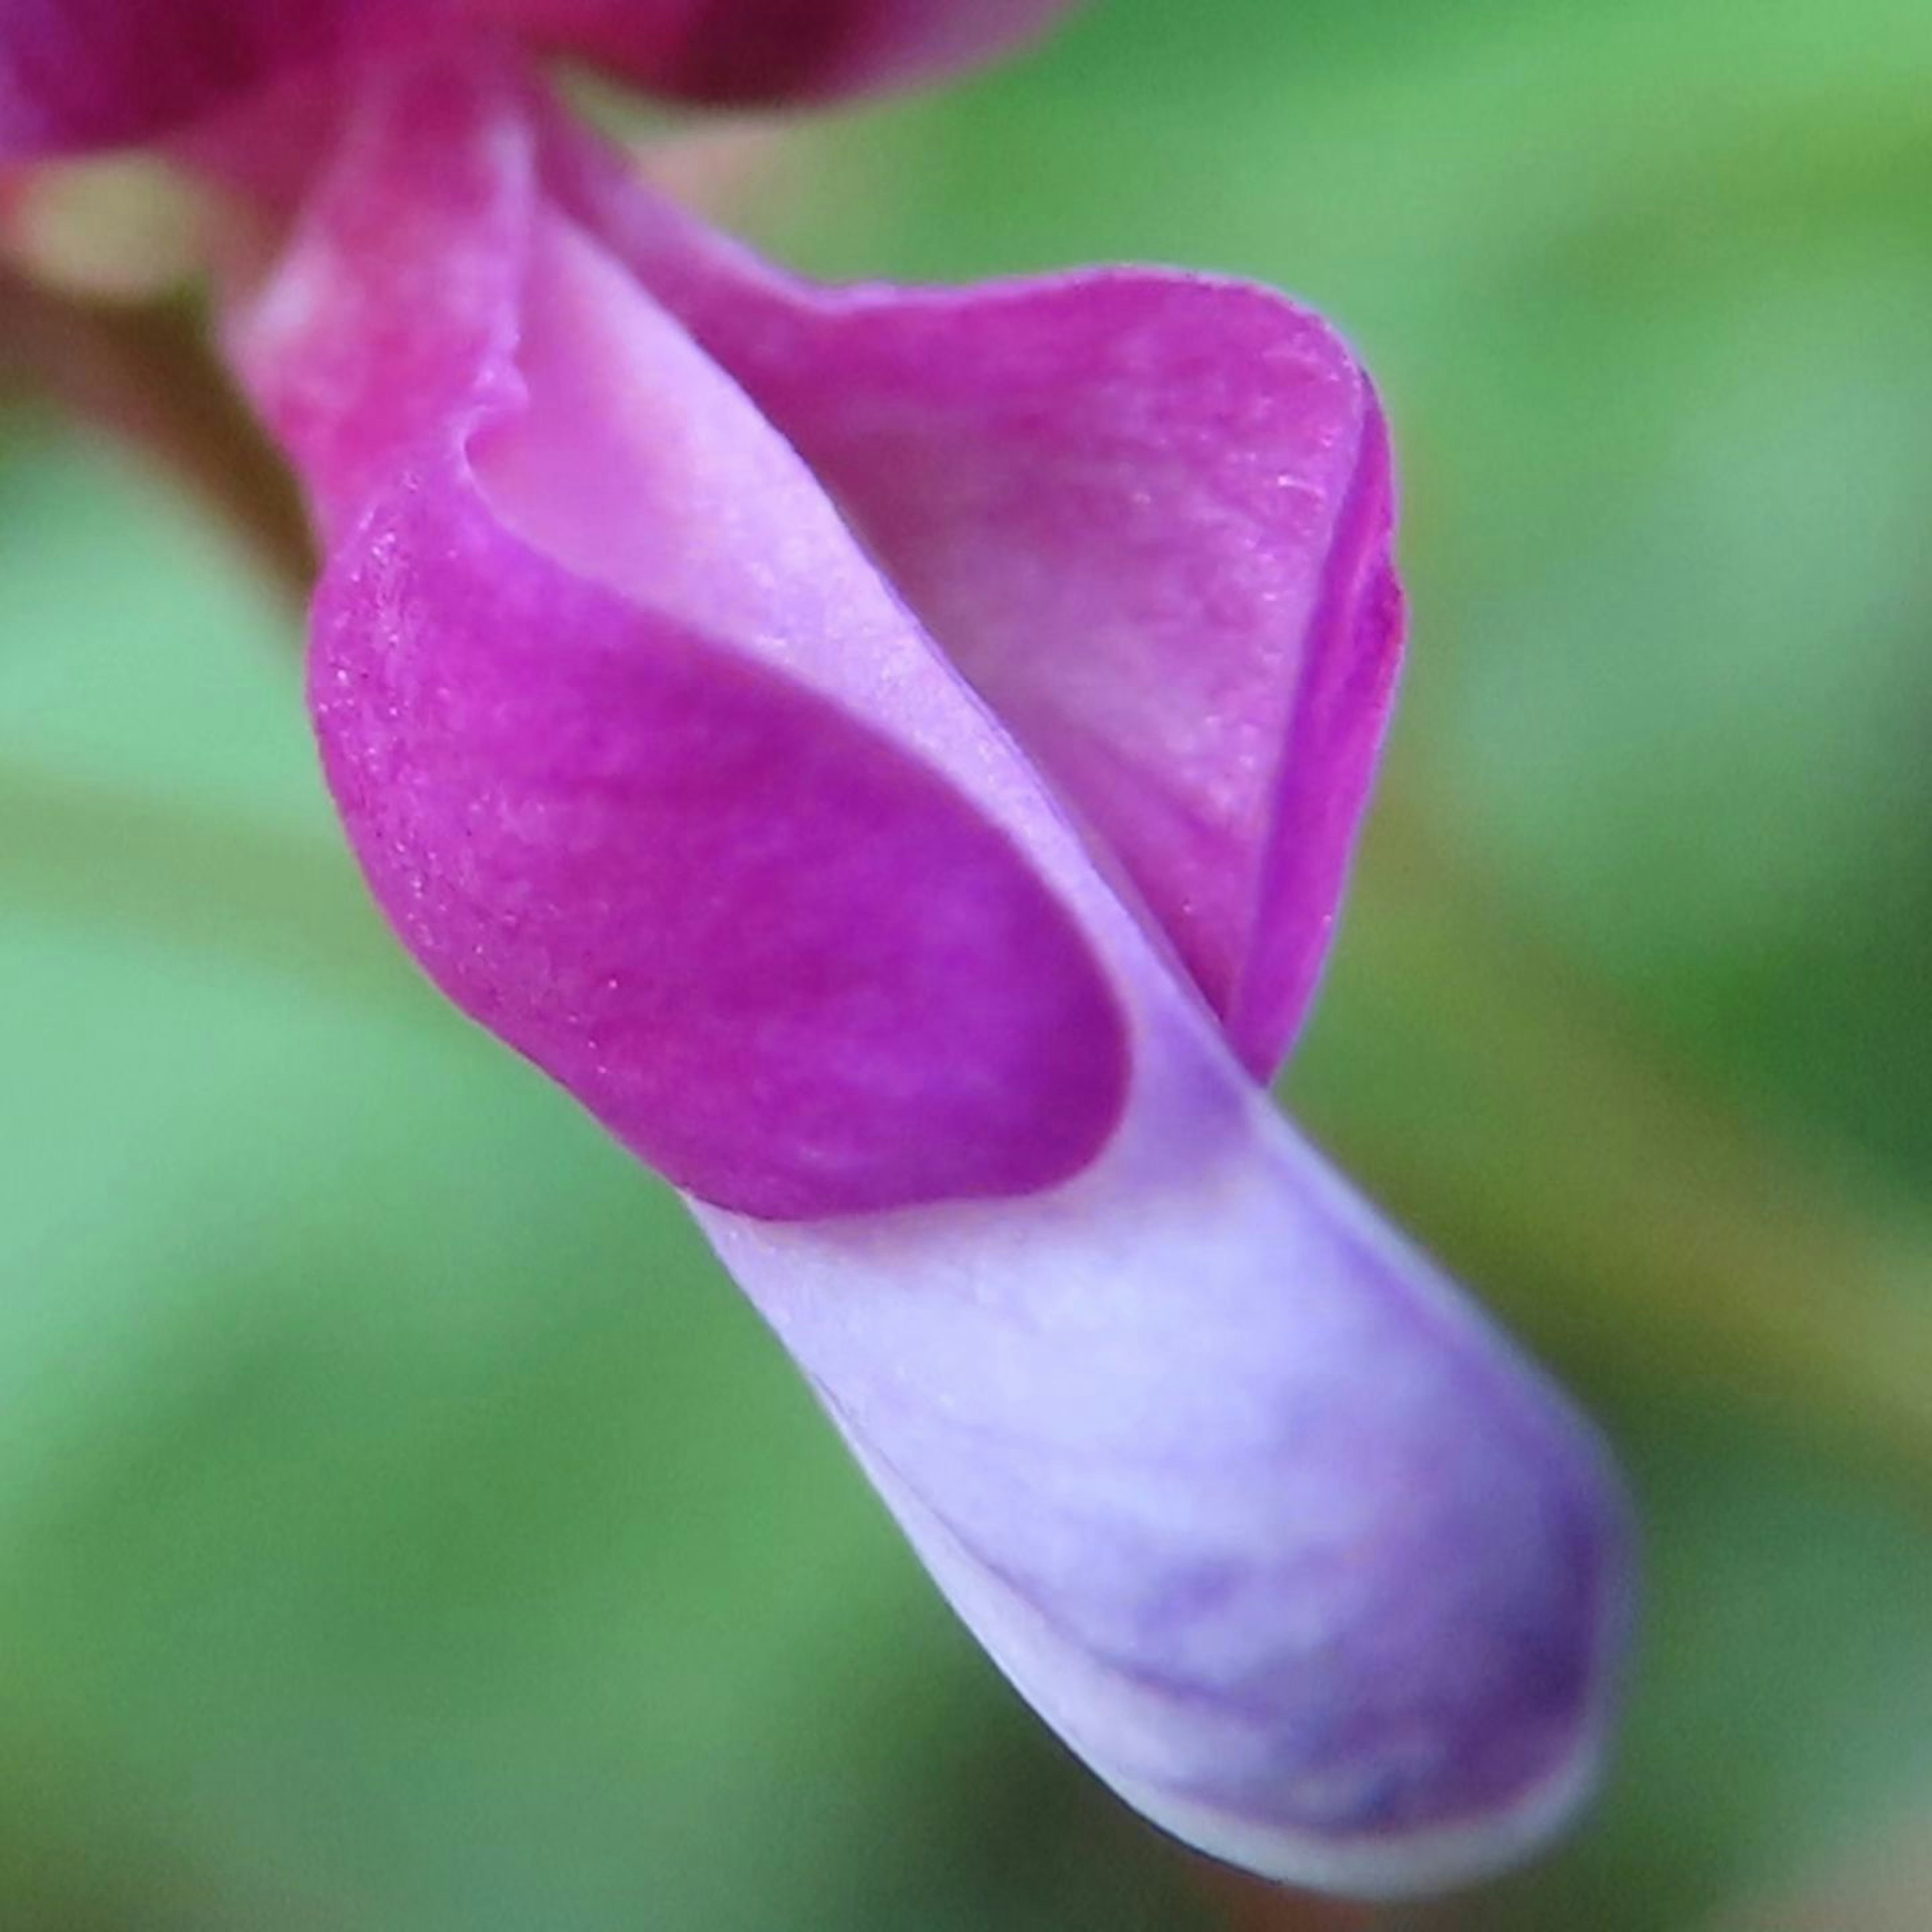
(893, 756)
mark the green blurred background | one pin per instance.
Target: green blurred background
(403, 1525)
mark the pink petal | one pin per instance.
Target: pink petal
(639, 754)
(387, 327)
(776, 50)
(782, 961)
(1148, 514)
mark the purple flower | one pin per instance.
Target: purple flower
(893, 756)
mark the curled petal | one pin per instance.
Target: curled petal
(639, 756)
(1148, 514)
(782, 961)
(1296, 1553)
(772, 51)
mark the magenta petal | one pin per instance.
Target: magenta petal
(639, 754)
(76, 74)
(784, 962)
(388, 326)
(1148, 514)
(1294, 1550)
(773, 51)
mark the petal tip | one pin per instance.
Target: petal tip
(1456, 1829)
(1377, 1867)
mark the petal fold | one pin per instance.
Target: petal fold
(640, 755)
(1148, 514)
(784, 961)
(1289, 1546)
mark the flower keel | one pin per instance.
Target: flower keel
(1289, 1546)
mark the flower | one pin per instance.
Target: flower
(893, 756)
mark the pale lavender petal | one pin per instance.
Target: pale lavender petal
(776, 50)
(1290, 1548)
(1148, 514)
(639, 755)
